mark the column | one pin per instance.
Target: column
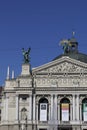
(34, 111)
(17, 107)
(30, 107)
(49, 112)
(6, 108)
(55, 108)
(55, 112)
(77, 107)
(70, 112)
(58, 111)
(80, 112)
(52, 112)
(74, 107)
(37, 113)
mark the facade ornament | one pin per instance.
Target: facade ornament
(13, 74)
(23, 127)
(69, 45)
(8, 73)
(65, 44)
(26, 55)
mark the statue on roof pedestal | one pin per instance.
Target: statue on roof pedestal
(65, 44)
(26, 55)
(69, 45)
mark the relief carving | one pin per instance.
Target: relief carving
(65, 67)
(62, 81)
(25, 83)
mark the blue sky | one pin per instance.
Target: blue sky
(39, 24)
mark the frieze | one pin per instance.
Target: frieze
(25, 83)
(62, 81)
(65, 67)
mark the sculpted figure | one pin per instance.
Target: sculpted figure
(26, 55)
(65, 44)
(23, 127)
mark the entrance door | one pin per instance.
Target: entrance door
(64, 128)
(42, 129)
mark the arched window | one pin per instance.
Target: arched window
(65, 109)
(23, 114)
(84, 109)
(43, 110)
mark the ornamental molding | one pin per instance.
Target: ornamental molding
(61, 90)
(64, 73)
(61, 81)
(25, 83)
(62, 65)
(38, 97)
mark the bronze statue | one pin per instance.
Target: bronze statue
(66, 45)
(26, 55)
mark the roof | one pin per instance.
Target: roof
(74, 55)
(70, 48)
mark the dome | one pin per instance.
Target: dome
(74, 55)
(73, 40)
(70, 48)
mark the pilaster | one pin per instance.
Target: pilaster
(34, 108)
(6, 107)
(17, 107)
(30, 107)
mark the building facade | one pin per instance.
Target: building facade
(52, 96)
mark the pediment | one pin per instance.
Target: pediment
(62, 65)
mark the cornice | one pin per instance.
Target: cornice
(59, 61)
(61, 89)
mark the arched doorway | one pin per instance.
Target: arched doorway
(65, 109)
(84, 109)
(43, 110)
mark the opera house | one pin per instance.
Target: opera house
(52, 96)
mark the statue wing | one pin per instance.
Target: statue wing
(23, 52)
(29, 50)
(64, 41)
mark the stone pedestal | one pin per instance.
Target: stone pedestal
(25, 69)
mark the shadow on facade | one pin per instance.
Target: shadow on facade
(64, 127)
